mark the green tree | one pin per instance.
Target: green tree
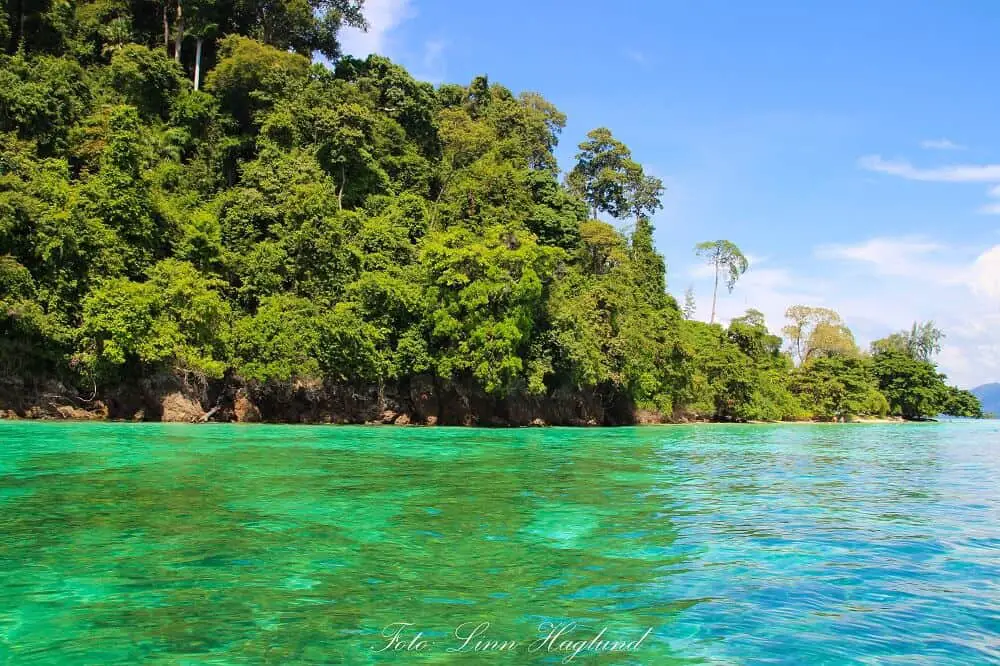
(650, 271)
(724, 257)
(251, 77)
(922, 341)
(302, 26)
(176, 320)
(838, 388)
(913, 387)
(959, 402)
(609, 180)
(121, 195)
(146, 79)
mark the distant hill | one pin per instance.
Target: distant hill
(989, 395)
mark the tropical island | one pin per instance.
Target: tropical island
(207, 212)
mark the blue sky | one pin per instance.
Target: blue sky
(851, 149)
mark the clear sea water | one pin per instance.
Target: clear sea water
(227, 544)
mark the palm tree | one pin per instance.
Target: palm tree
(723, 254)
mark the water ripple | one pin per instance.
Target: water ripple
(220, 544)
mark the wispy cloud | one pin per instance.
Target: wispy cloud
(636, 56)
(992, 208)
(913, 257)
(954, 173)
(896, 255)
(941, 144)
(431, 65)
(383, 17)
(425, 59)
(919, 278)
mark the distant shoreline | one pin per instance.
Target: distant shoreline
(856, 421)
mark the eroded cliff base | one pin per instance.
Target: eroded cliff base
(421, 400)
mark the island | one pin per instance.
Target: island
(210, 223)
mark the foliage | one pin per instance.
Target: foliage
(837, 387)
(608, 179)
(176, 318)
(958, 402)
(815, 332)
(913, 387)
(726, 258)
(145, 78)
(921, 342)
(294, 222)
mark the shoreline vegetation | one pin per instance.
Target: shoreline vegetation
(199, 221)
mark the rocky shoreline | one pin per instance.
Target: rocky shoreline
(422, 400)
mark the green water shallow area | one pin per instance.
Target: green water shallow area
(227, 544)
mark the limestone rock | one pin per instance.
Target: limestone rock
(78, 413)
(179, 408)
(244, 409)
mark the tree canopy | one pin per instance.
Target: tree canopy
(185, 191)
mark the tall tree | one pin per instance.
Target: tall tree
(303, 26)
(610, 181)
(203, 23)
(178, 30)
(922, 342)
(726, 258)
(817, 332)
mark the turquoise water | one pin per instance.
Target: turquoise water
(226, 544)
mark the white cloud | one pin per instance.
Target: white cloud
(992, 208)
(907, 256)
(424, 60)
(894, 252)
(941, 144)
(955, 173)
(985, 273)
(383, 17)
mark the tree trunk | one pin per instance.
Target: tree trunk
(21, 23)
(340, 191)
(179, 32)
(197, 64)
(166, 29)
(715, 291)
